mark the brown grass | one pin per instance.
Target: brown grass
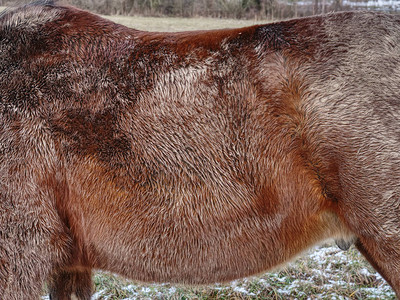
(180, 24)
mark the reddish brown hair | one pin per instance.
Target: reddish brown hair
(193, 157)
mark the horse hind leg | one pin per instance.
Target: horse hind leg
(385, 258)
(377, 230)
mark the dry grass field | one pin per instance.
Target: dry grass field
(180, 24)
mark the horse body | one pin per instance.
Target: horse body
(192, 157)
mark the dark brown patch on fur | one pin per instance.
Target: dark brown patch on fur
(91, 135)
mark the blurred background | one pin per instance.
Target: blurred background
(237, 9)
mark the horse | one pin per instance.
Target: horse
(193, 157)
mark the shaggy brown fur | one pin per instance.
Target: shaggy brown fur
(193, 157)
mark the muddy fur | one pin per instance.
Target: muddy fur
(193, 157)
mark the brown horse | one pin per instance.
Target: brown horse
(193, 157)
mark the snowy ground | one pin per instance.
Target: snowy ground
(324, 272)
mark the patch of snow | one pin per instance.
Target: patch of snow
(172, 290)
(145, 290)
(365, 272)
(130, 288)
(97, 295)
(242, 290)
